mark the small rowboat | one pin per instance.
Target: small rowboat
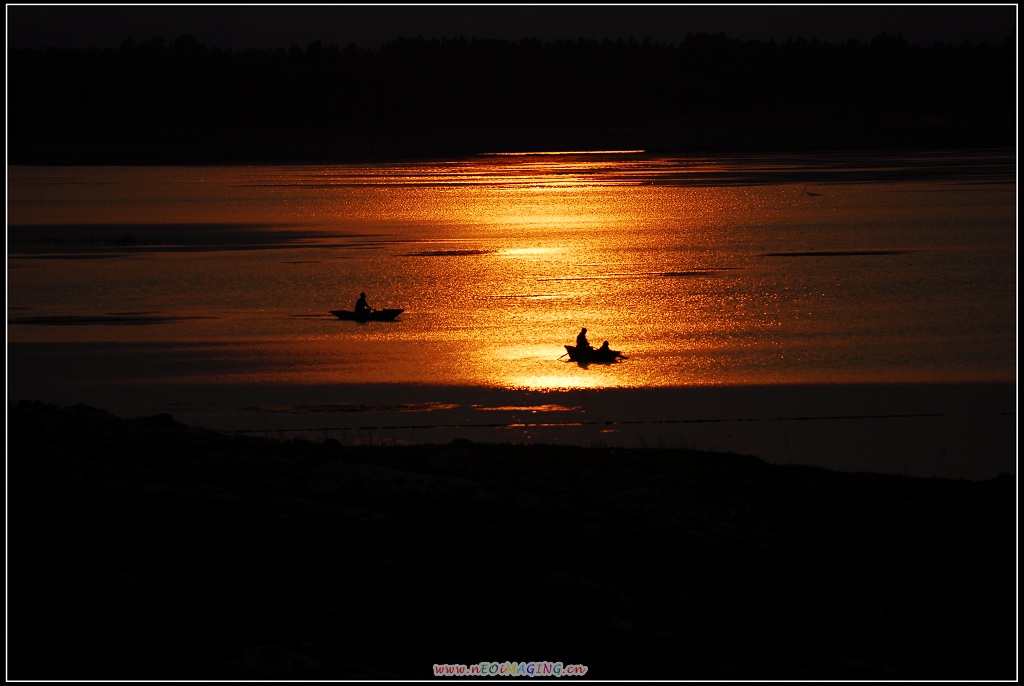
(371, 316)
(592, 354)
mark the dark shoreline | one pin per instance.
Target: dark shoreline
(146, 549)
(374, 147)
(181, 102)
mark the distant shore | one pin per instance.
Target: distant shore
(416, 98)
(327, 147)
(147, 549)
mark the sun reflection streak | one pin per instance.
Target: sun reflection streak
(527, 252)
(562, 153)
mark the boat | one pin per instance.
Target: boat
(385, 315)
(593, 354)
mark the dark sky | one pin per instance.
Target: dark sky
(263, 26)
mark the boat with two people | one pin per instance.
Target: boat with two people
(583, 352)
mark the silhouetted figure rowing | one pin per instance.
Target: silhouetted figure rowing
(581, 340)
(361, 306)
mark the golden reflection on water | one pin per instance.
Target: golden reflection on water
(499, 262)
(568, 252)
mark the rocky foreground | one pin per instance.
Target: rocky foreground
(145, 549)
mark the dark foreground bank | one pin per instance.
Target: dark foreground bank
(146, 549)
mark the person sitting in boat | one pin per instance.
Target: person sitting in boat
(604, 348)
(361, 306)
(581, 340)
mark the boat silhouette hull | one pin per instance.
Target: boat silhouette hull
(592, 354)
(371, 316)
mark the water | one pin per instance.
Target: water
(499, 261)
(706, 273)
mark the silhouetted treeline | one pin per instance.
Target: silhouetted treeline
(182, 101)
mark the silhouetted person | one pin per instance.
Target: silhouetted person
(604, 347)
(361, 306)
(581, 340)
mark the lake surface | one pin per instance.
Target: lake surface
(706, 272)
